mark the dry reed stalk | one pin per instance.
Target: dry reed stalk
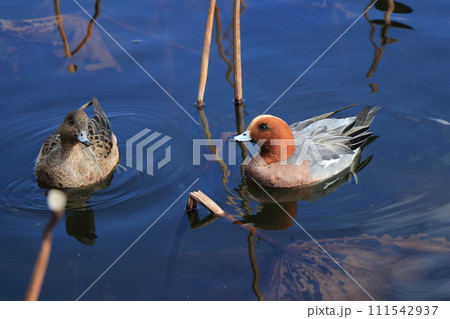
(57, 202)
(237, 51)
(205, 53)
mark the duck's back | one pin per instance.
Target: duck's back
(330, 145)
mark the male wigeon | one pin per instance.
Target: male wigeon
(306, 152)
(81, 152)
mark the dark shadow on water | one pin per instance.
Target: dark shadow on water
(80, 217)
(81, 226)
(272, 216)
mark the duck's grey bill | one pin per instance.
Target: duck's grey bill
(244, 137)
(82, 137)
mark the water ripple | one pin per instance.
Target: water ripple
(127, 193)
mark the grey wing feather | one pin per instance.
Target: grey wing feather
(335, 137)
(99, 131)
(301, 125)
(327, 152)
(331, 145)
(99, 121)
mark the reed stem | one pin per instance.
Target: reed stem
(237, 51)
(205, 53)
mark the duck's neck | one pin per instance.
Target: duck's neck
(277, 150)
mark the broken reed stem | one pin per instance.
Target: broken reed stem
(237, 51)
(205, 54)
(198, 196)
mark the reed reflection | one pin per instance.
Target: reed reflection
(59, 19)
(388, 7)
(90, 52)
(233, 198)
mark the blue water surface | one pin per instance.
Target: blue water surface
(388, 226)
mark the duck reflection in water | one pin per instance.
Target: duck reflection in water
(80, 217)
(279, 205)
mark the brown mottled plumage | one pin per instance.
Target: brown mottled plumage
(81, 152)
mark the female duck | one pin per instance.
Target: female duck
(81, 152)
(306, 152)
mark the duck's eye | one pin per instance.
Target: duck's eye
(72, 122)
(263, 127)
